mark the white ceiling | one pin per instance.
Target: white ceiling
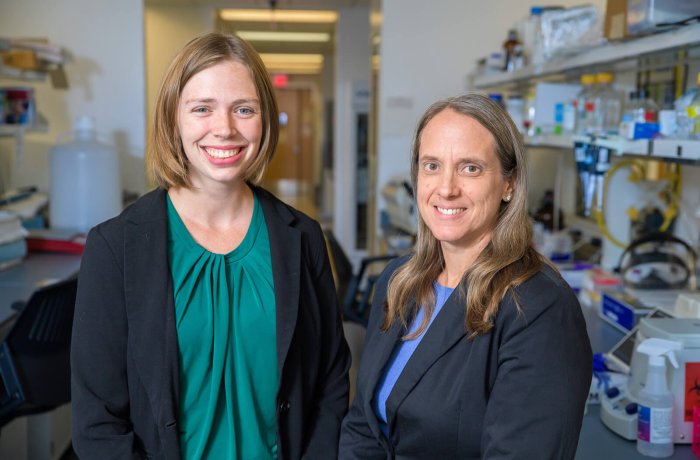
(272, 47)
(281, 4)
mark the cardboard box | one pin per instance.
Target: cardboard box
(615, 27)
(20, 59)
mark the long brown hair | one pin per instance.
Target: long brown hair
(507, 261)
(166, 160)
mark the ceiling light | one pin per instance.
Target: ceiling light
(276, 36)
(307, 16)
(292, 63)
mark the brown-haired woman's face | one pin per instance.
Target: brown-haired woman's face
(220, 123)
(459, 184)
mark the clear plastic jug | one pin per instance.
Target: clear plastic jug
(85, 184)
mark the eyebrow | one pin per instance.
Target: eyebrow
(466, 159)
(209, 100)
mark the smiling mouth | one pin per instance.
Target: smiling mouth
(450, 211)
(222, 153)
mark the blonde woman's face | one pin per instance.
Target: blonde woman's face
(459, 185)
(220, 124)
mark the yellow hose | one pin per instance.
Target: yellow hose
(669, 213)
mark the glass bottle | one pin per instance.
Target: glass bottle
(509, 49)
(608, 105)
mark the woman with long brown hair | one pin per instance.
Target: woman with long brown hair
(476, 347)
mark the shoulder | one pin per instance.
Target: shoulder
(544, 294)
(384, 278)
(147, 208)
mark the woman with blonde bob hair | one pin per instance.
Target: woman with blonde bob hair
(476, 347)
(206, 322)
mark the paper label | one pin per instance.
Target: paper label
(654, 425)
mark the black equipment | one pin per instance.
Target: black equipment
(648, 263)
(354, 289)
(35, 352)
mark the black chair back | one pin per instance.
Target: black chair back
(35, 352)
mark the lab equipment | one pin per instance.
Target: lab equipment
(655, 415)
(683, 380)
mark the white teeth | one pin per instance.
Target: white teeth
(218, 153)
(450, 211)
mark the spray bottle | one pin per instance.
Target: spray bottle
(655, 419)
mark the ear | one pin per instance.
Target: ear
(510, 187)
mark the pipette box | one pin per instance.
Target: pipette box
(622, 310)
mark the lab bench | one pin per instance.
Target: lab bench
(597, 442)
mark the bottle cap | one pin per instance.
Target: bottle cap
(604, 77)
(84, 123)
(536, 10)
(587, 79)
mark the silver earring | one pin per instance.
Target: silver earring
(507, 199)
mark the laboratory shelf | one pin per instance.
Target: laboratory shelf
(16, 129)
(555, 141)
(605, 54)
(680, 150)
(20, 74)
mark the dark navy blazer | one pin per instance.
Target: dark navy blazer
(517, 392)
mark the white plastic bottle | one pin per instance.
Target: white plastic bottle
(684, 110)
(85, 185)
(655, 417)
(536, 51)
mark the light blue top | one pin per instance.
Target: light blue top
(402, 353)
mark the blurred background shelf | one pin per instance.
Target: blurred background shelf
(684, 37)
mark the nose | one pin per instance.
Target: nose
(447, 187)
(223, 125)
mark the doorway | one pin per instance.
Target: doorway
(291, 172)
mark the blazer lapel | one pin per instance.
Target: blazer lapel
(285, 252)
(381, 344)
(446, 330)
(149, 299)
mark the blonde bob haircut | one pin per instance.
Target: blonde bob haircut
(508, 260)
(167, 162)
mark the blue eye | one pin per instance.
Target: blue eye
(245, 111)
(200, 110)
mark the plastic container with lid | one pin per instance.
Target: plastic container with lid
(684, 109)
(693, 111)
(85, 185)
(583, 104)
(608, 105)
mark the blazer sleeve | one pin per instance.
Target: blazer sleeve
(357, 441)
(544, 364)
(100, 396)
(332, 394)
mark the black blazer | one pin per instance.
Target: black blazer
(517, 392)
(124, 354)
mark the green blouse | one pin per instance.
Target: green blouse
(225, 313)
